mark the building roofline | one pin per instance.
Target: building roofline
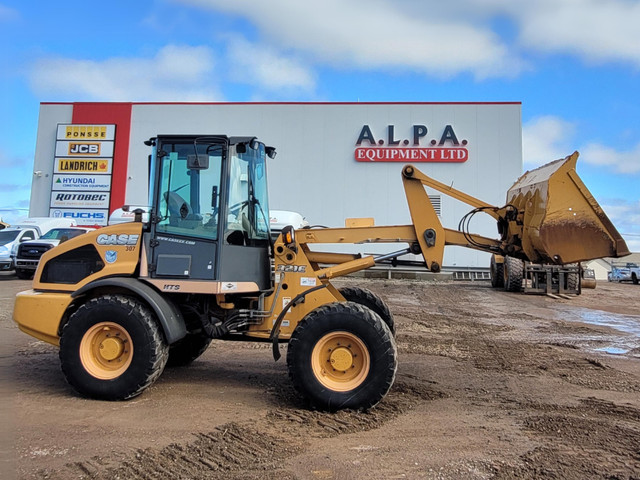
(281, 103)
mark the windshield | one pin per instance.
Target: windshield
(60, 233)
(189, 198)
(8, 236)
(248, 200)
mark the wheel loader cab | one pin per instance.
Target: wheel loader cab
(210, 222)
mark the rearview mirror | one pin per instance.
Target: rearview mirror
(198, 162)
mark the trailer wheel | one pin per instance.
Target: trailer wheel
(372, 301)
(342, 355)
(185, 351)
(112, 348)
(513, 274)
(497, 273)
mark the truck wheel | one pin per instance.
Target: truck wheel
(513, 274)
(634, 278)
(342, 355)
(497, 273)
(112, 348)
(370, 300)
(185, 351)
(24, 274)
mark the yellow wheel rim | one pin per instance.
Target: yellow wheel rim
(340, 361)
(106, 350)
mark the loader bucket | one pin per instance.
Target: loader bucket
(562, 222)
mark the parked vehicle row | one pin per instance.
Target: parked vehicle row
(629, 272)
(25, 230)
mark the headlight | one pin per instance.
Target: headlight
(4, 252)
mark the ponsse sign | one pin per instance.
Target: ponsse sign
(418, 144)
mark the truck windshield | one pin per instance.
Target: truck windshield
(59, 233)
(8, 236)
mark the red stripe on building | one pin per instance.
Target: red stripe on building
(118, 114)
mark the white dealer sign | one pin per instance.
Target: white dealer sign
(81, 185)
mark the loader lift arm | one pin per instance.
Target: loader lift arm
(425, 236)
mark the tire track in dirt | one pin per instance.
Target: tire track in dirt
(406, 393)
(598, 439)
(230, 451)
(248, 450)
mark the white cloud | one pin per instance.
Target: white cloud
(625, 215)
(545, 139)
(373, 34)
(443, 39)
(595, 30)
(265, 68)
(176, 73)
(549, 138)
(627, 162)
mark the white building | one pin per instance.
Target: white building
(335, 160)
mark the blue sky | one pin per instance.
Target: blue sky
(574, 65)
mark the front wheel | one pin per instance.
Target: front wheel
(342, 355)
(24, 274)
(112, 348)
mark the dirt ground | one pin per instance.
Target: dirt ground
(489, 385)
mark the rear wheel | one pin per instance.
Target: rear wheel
(497, 273)
(634, 278)
(342, 355)
(370, 300)
(112, 348)
(185, 351)
(513, 274)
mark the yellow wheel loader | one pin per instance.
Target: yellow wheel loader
(199, 264)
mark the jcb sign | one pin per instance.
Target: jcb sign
(84, 149)
(72, 148)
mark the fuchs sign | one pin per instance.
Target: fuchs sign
(445, 148)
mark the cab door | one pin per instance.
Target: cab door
(185, 236)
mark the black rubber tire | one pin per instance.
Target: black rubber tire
(24, 274)
(634, 278)
(497, 273)
(362, 324)
(370, 300)
(513, 274)
(150, 350)
(185, 351)
(573, 279)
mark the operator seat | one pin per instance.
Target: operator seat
(180, 212)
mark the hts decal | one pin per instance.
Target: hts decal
(443, 147)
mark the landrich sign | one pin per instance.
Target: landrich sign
(415, 147)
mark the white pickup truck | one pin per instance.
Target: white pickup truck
(629, 272)
(24, 230)
(29, 253)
